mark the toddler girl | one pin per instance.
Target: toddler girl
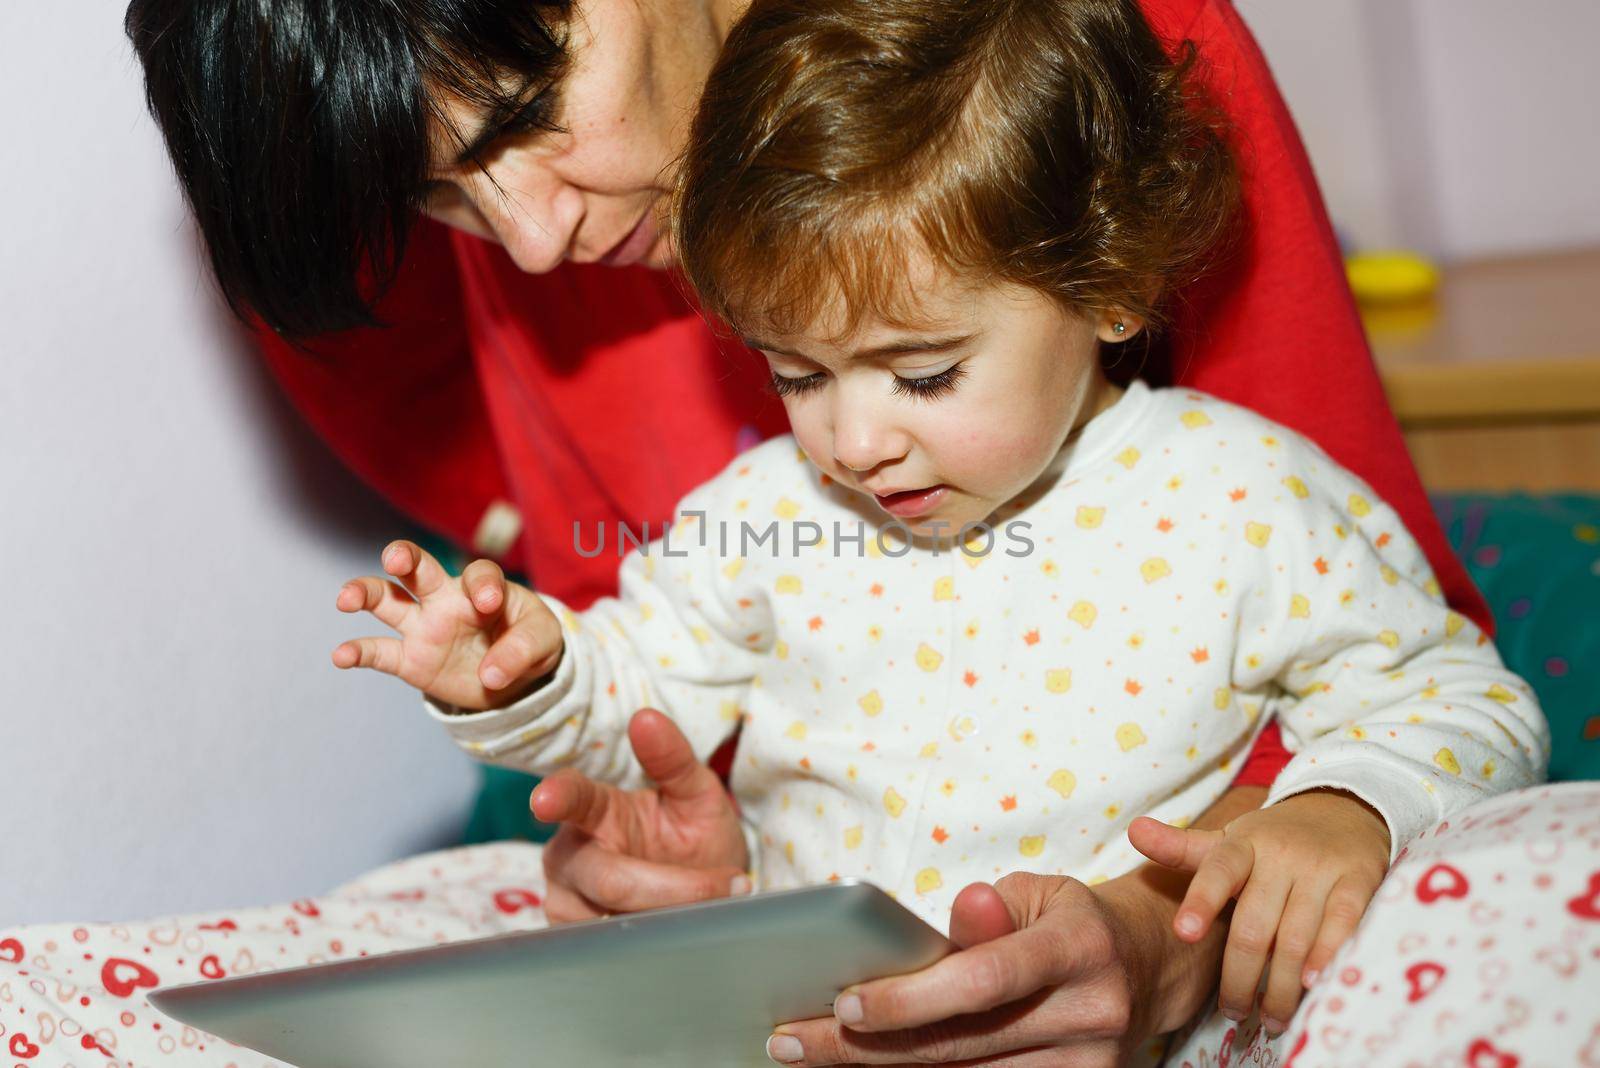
(985, 607)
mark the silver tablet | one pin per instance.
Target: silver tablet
(696, 985)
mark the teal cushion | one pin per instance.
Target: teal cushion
(1537, 561)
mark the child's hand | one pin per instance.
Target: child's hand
(1303, 871)
(476, 642)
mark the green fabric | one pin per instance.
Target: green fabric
(1537, 561)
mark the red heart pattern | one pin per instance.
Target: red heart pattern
(1483, 1054)
(21, 1047)
(511, 902)
(1424, 977)
(122, 977)
(1442, 880)
(1587, 906)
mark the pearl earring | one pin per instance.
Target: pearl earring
(1119, 328)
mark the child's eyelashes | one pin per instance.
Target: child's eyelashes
(932, 386)
(925, 388)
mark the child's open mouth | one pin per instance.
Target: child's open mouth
(910, 503)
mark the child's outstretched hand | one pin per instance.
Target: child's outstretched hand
(476, 641)
(1303, 871)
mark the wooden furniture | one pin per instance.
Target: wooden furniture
(1497, 380)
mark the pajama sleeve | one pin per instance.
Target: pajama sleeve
(1384, 690)
(684, 636)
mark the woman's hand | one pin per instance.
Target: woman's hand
(629, 850)
(1049, 972)
(476, 642)
(1303, 871)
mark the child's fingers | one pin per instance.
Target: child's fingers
(1250, 934)
(1169, 846)
(379, 654)
(485, 584)
(529, 649)
(414, 568)
(385, 600)
(1297, 932)
(1220, 877)
(1346, 904)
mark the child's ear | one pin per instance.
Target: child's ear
(1116, 325)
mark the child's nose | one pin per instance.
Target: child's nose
(863, 439)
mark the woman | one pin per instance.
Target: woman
(522, 366)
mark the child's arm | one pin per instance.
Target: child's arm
(1400, 710)
(679, 638)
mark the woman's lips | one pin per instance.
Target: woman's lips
(635, 246)
(909, 504)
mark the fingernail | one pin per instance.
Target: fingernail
(785, 1049)
(847, 1009)
(1188, 923)
(485, 598)
(1274, 1027)
(740, 886)
(1309, 980)
(1234, 1014)
(494, 678)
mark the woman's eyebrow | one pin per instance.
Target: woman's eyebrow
(524, 115)
(891, 348)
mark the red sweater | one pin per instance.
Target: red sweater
(597, 395)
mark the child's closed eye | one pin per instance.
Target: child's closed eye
(927, 387)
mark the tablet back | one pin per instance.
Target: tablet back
(696, 985)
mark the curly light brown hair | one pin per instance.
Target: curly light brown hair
(1053, 144)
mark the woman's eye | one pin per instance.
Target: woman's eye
(790, 387)
(932, 386)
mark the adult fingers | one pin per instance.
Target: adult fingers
(1250, 935)
(615, 882)
(1172, 847)
(1049, 1019)
(1221, 876)
(1297, 932)
(380, 654)
(485, 584)
(986, 976)
(669, 760)
(571, 797)
(414, 568)
(979, 914)
(385, 600)
(1347, 903)
(564, 905)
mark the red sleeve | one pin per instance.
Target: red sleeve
(400, 404)
(1277, 330)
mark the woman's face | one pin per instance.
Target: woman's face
(595, 193)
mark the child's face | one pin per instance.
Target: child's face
(944, 422)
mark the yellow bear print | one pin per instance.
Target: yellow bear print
(1359, 505)
(1299, 606)
(1297, 487)
(852, 837)
(1389, 638)
(1031, 845)
(1130, 736)
(1155, 569)
(1127, 457)
(1058, 680)
(928, 880)
(871, 703)
(893, 803)
(785, 508)
(1083, 614)
(1257, 534)
(1194, 420)
(1497, 692)
(928, 658)
(789, 584)
(797, 731)
(1062, 782)
(1447, 760)
(1090, 518)
(944, 589)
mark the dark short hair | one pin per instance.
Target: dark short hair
(300, 129)
(1057, 146)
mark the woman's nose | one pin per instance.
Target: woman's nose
(535, 216)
